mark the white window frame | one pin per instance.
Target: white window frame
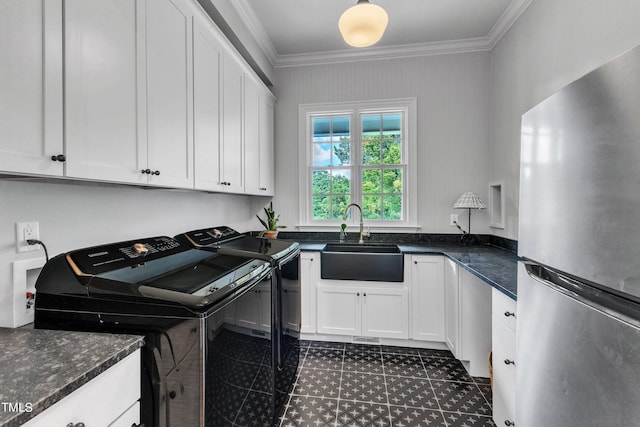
(408, 106)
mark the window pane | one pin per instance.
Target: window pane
(391, 126)
(340, 128)
(339, 205)
(391, 153)
(392, 207)
(320, 183)
(341, 154)
(321, 207)
(371, 153)
(371, 207)
(341, 180)
(392, 179)
(321, 154)
(321, 129)
(371, 181)
(371, 126)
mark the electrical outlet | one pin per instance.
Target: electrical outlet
(27, 231)
(453, 219)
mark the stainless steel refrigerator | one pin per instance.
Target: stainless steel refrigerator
(578, 336)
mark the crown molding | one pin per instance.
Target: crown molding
(506, 20)
(248, 16)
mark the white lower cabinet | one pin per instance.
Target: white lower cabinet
(504, 359)
(309, 277)
(451, 299)
(363, 310)
(468, 305)
(110, 399)
(427, 297)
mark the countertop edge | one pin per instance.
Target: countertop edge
(48, 401)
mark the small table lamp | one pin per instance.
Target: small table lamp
(469, 200)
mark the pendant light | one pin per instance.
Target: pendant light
(363, 25)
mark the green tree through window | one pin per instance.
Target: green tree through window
(378, 146)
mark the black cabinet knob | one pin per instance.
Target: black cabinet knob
(59, 158)
(147, 171)
(508, 314)
(155, 173)
(509, 423)
(509, 362)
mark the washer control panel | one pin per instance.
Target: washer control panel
(98, 259)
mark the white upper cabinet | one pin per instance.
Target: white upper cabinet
(31, 86)
(207, 60)
(129, 91)
(232, 149)
(169, 93)
(259, 138)
(104, 100)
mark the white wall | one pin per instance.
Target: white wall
(552, 43)
(452, 94)
(73, 216)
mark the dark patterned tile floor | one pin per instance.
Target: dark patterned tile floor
(371, 385)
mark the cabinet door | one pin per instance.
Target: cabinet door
(169, 93)
(267, 140)
(207, 60)
(309, 276)
(232, 137)
(104, 90)
(31, 86)
(258, 138)
(475, 323)
(427, 289)
(385, 313)
(451, 302)
(339, 310)
(252, 136)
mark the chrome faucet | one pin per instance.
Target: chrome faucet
(362, 232)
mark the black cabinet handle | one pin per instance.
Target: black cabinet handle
(155, 173)
(75, 425)
(147, 171)
(59, 158)
(509, 362)
(509, 423)
(508, 314)
(358, 294)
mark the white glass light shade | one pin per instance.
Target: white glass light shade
(363, 25)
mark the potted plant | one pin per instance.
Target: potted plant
(270, 224)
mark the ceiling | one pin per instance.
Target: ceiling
(294, 31)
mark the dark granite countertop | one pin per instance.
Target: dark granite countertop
(493, 264)
(40, 367)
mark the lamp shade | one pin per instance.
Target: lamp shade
(469, 200)
(363, 25)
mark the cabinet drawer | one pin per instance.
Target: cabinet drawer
(100, 401)
(504, 372)
(504, 308)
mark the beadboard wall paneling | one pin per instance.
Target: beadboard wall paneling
(453, 154)
(550, 45)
